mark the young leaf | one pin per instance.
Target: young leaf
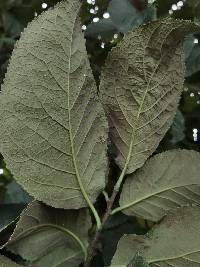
(53, 128)
(166, 181)
(141, 85)
(175, 242)
(36, 240)
(5, 262)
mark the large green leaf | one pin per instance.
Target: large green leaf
(53, 128)
(46, 246)
(175, 242)
(141, 85)
(166, 181)
(5, 262)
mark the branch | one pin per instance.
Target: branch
(92, 247)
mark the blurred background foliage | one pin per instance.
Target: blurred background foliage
(104, 23)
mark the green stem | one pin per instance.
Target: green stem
(60, 228)
(110, 202)
(105, 195)
(117, 210)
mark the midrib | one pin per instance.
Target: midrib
(172, 258)
(151, 195)
(69, 112)
(134, 129)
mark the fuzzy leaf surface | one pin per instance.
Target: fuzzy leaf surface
(5, 262)
(174, 242)
(168, 180)
(49, 246)
(138, 261)
(141, 85)
(54, 129)
(127, 249)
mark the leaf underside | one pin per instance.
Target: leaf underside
(175, 242)
(48, 246)
(168, 180)
(140, 87)
(53, 127)
(5, 262)
(127, 248)
(138, 261)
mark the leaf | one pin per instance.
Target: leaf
(127, 249)
(114, 230)
(138, 261)
(5, 262)
(7, 43)
(124, 16)
(16, 195)
(104, 28)
(46, 246)
(141, 92)
(175, 242)
(178, 128)
(193, 62)
(150, 13)
(188, 45)
(53, 134)
(8, 214)
(166, 181)
(12, 25)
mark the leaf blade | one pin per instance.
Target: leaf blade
(138, 261)
(127, 248)
(55, 124)
(143, 89)
(5, 262)
(174, 242)
(162, 184)
(47, 246)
